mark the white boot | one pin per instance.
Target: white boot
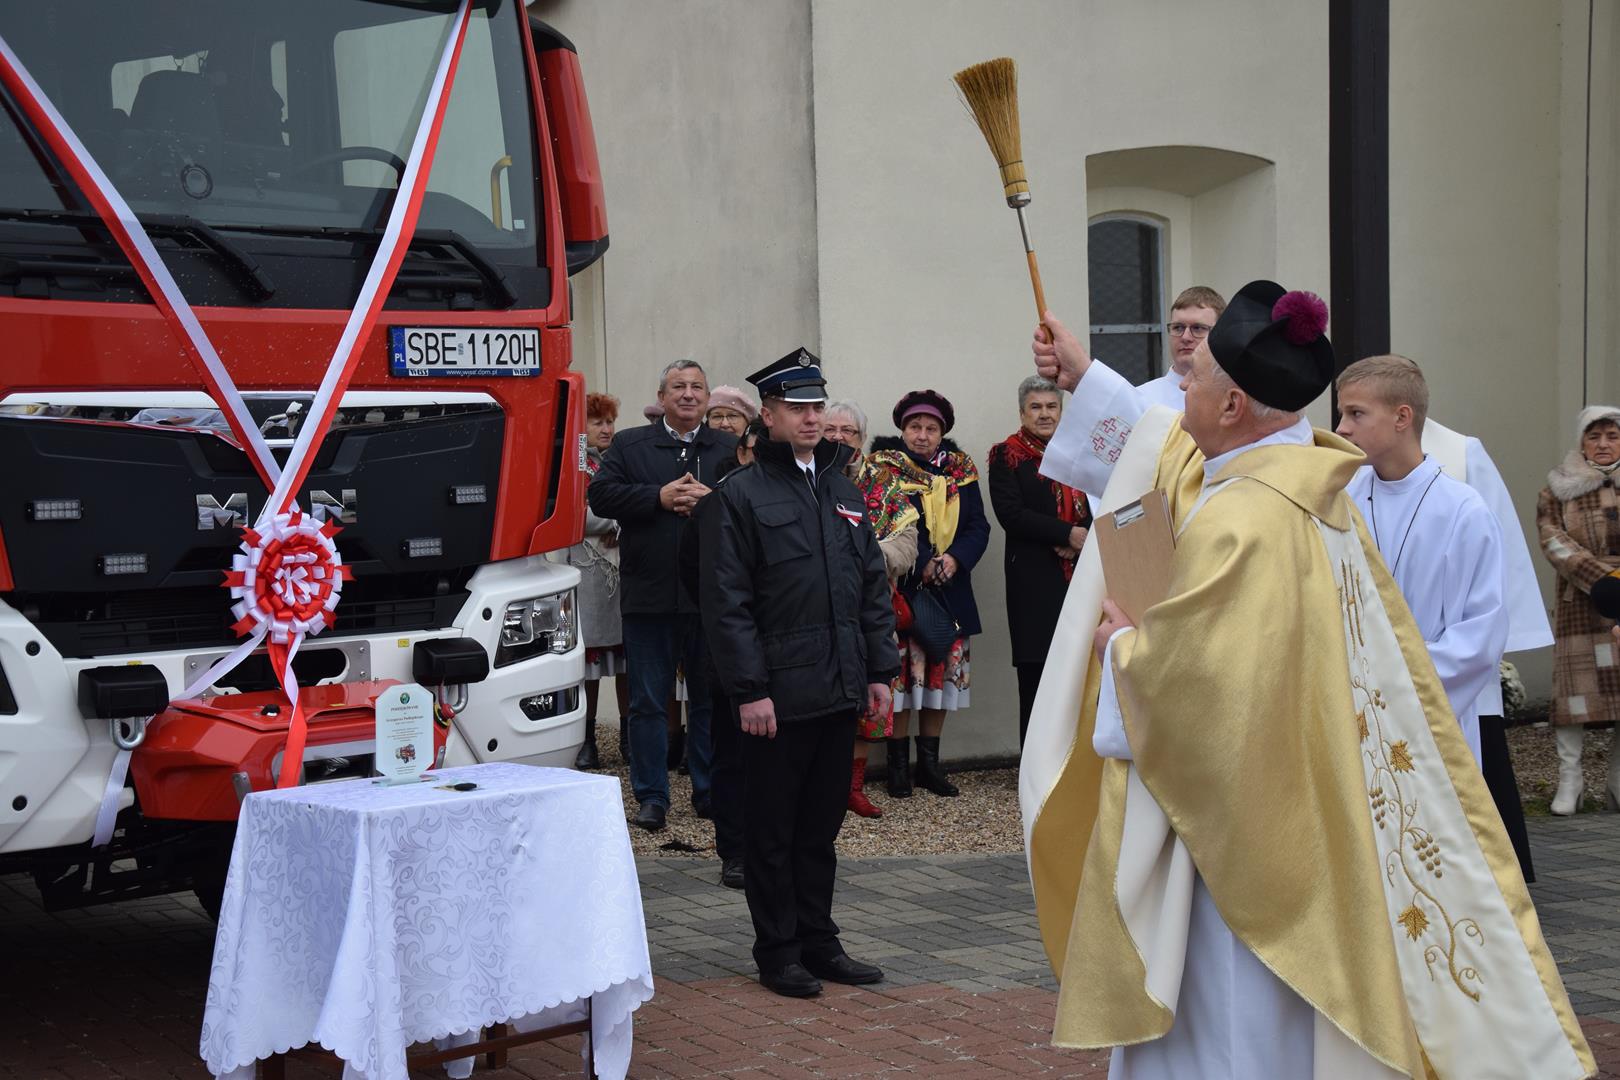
(1614, 770)
(1568, 738)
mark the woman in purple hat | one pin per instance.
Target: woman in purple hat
(942, 484)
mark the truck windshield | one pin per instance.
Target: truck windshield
(296, 114)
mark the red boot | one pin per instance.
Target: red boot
(858, 801)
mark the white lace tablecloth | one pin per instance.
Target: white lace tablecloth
(367, 918)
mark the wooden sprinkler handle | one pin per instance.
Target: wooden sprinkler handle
(1040, 292)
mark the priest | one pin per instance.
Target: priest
(1293, 867)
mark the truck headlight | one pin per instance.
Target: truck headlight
(539, 625)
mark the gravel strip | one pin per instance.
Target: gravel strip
(984, 819)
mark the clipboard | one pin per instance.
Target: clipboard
(1137, 544)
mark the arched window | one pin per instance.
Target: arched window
(1126, 272)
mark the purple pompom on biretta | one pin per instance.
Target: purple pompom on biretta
(1270, 341)
(1307, 316)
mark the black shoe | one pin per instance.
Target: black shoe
(900, 767)
(790, 980)
(731, 872)
(929, 774)
(703, 807)
(650, 816)
(588, 758)
(842, 969)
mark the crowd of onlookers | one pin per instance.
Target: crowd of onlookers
(925, 501)
(926, 504)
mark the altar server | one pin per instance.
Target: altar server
(1441, 543)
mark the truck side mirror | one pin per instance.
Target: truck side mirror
(573, 147)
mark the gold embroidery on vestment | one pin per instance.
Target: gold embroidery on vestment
(1417, 853)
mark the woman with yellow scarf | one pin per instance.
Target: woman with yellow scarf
(942, 484)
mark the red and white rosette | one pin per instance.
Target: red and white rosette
(286, 578)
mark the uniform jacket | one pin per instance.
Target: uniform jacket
(795, 600)
(1027, 506)
(972, 527)
(636, 466)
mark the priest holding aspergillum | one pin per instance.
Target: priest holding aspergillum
(1264, 849)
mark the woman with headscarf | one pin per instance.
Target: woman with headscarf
(1578, 516)
(894, 520)
(942, 485)
(596, 557)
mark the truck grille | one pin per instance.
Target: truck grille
(151, 620)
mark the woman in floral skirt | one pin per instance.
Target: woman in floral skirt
(942, 485)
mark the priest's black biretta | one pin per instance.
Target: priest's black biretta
(1271, 342)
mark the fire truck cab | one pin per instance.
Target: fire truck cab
(260, 145)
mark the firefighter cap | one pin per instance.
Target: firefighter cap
(795, 377)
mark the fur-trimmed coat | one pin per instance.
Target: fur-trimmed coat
(1578, 518)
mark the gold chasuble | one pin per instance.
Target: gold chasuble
(1292, 742)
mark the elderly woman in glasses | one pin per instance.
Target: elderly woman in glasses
(894, 520)
(731, 410)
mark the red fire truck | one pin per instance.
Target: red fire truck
(260, 146)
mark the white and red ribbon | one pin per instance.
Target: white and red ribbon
(288, 575)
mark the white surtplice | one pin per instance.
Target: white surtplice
(1443, 546)
(1165, 390)
(1463, 457)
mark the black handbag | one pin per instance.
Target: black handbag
(933, 628)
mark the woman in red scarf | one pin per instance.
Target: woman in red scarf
(1045, 523)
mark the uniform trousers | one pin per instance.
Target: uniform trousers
(796, 786)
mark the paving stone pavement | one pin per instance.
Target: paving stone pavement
(116, 993)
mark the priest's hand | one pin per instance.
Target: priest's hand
(1114, 620)
(758, 718)
(1059, 355)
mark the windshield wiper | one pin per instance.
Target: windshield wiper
(425, 242)
(161, 225)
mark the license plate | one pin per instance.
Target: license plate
(426, 352)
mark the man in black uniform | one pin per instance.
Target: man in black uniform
(796, 608)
